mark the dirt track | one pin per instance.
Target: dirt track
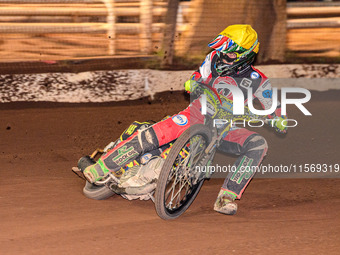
(43, 210)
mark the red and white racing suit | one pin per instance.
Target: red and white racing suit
(250, 146)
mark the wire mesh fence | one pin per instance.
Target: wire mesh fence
(43, 30)
(51, 30)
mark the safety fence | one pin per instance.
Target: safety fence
(313, 15)
(80, 28)
(43, 30)
(314, 29)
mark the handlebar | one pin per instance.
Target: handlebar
(220, 102)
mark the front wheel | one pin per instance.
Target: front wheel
(179, 183)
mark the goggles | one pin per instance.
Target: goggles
(226, 45)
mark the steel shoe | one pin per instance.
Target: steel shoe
(225, 203)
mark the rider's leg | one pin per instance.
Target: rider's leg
(144, 141)
(252, 148)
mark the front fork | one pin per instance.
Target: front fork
(207, 159)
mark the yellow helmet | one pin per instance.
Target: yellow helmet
(239, 39)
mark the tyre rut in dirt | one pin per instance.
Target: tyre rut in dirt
(203, 134)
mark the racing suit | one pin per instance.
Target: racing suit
(250, 146)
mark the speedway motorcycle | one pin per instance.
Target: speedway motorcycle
(173, 179)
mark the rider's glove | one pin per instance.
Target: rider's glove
(280, 124)
(190, 86)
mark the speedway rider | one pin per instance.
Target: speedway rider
(230, 62)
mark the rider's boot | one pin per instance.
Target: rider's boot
(95, 173)
(225, 203)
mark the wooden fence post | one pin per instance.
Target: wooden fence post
(169, 33)
(111, 20)
(146, 26)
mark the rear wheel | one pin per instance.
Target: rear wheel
(179, 182)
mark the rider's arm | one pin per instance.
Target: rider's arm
(203, 74)
(264, 94)
(205, 70)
